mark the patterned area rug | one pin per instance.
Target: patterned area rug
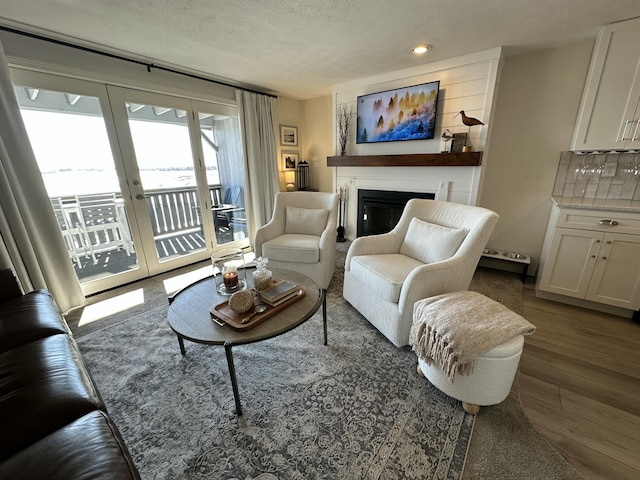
(353, 409)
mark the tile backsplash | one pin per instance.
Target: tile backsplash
(599, 178)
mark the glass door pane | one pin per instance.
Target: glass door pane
(133, 176)
(175, 157)
(222, 154)
(69, 137)
(163, 153)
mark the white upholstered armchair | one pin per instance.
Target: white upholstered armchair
(434, 249)
(301, 236)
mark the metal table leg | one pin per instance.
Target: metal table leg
(181, 343)
(234, 381)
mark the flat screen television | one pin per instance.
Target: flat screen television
(407, 113)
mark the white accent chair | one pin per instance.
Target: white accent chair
(301, 236)
(434, 249)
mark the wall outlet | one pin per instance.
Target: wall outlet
(609, 170)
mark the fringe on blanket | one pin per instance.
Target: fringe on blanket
(452, 330)
(432, 347)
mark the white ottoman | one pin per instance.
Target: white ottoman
(490, 382)
(493, 371)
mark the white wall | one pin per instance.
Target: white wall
(289, 113)
(315, 131)
(466, 83)
(535, 113)
(532, 122)
(533, 119)
(318, 141)
(44, 56)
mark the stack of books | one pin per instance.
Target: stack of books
(280, 292)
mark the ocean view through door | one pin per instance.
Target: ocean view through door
(176, 155)
(133, 177)
(69, 135)
(166, 179)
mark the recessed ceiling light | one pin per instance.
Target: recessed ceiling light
(420, 49)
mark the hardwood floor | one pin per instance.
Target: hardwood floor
(580, 386)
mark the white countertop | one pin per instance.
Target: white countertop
(598, 204)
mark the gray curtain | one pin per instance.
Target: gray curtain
(257, 123)
(32, 244)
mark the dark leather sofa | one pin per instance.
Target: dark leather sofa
(53, 421)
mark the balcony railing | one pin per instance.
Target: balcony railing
(173, 211)
(176, 212)
(94, 224)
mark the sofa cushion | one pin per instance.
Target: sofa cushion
(87, 448)
(28, 318)
(384, 274)
(431, 243)
(293, 248)
(44, 385)
(305, 221)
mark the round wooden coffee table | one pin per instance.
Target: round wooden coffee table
(190, 318)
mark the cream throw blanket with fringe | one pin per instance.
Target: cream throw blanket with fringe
(455, 328)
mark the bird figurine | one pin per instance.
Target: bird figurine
(468, 121)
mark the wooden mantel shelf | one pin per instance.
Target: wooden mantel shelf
(458, 159)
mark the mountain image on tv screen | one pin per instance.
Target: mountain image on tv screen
(395, 115)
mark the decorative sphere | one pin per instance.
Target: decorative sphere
(241, 302)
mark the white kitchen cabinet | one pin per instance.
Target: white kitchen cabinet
(571, 261)
(609, 115)
(593, 255)
(616, 276)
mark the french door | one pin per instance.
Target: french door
(136, 179)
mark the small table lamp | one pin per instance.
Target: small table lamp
(290, 180)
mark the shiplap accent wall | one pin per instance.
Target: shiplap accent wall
(467, 83)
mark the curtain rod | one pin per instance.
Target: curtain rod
(149, 66)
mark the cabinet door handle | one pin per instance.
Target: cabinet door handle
(611, 223)
(604, 258)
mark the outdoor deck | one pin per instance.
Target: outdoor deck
(113, 262)
(97, 237)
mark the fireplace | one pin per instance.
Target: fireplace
(380, 210)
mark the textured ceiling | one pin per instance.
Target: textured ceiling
(300, 48)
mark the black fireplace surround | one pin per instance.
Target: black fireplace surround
(380, 210)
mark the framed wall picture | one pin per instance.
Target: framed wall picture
(288, 136)
(289, 161)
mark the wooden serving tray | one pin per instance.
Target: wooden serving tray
(223, 313)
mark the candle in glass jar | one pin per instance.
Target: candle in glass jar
(230, 278)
